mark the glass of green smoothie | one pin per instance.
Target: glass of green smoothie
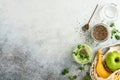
(82, 53)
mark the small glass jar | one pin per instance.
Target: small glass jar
(105, 27)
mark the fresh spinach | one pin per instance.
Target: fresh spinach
(115, 32)
(117, 37)
(80, 46)
(72, 77)
(65, 71)
(87, 76)
(75, 53)
(81, 68)
(89, 64)
(112, 24)
(83, 56)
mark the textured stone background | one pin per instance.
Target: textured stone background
(38, 36)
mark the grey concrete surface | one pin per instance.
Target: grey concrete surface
(37, 37)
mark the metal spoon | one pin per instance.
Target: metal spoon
(86, 26)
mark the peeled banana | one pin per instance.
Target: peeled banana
(101, 72)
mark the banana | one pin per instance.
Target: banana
(100, 68)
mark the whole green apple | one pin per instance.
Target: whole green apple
(113, 60)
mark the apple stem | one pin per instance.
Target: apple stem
(117, 60)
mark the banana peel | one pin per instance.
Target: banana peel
(100, 70)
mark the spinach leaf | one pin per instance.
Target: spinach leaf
(81, 68)
(65, 71)
(72, 77)
(115, 32)
(87, 76)
(75, 53)
(117, 37)
(112, 24)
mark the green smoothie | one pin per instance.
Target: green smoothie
(82, 54)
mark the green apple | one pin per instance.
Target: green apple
(113, 60)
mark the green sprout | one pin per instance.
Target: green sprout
(65, 71)
(72, 77)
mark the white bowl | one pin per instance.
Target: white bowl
(109, 12)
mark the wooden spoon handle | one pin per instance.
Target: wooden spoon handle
(92, 13)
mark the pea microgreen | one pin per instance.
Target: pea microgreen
(65, 71)
(87, 76)
(72, 77)
(81, 68)
(115, 32)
